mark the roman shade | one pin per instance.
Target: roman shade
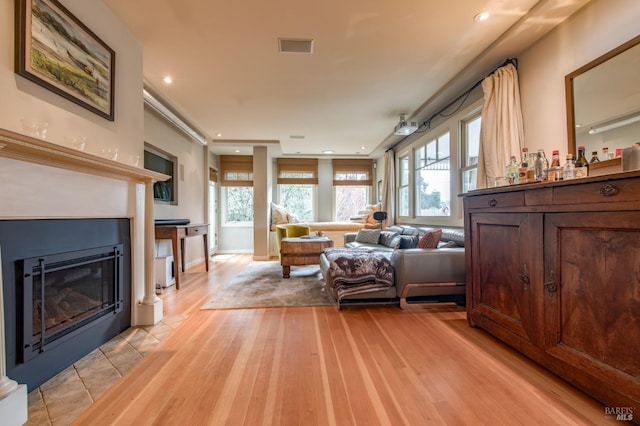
(353, 172)
(297, 171)
(236, 170)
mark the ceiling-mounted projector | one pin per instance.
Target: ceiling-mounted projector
(404, 127)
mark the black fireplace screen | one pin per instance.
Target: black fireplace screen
(64, 293)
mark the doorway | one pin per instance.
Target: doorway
(213, 218)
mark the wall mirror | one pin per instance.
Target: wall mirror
(603, 102)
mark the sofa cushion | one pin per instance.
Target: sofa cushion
(386, 237)
(408, 241)
(395, 242)
(368, 236)
(430, 239)
(374, 247)
(455, 235)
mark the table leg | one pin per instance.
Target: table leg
(286, 269)
(182, 253)
(176, 256)
(206, 251)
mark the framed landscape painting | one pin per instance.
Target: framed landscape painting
(57, 51)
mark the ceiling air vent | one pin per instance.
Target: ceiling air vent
(290, 45)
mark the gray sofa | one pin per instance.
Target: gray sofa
(421, 276)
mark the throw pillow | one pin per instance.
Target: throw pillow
(292, 218)
(358, 218)
(386, 237)
(368, 236)
(278, 214)
(408, 241)
(430, 239)
(396, 243)
(448, 244)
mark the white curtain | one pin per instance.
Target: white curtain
(501, 132)
(388, 184)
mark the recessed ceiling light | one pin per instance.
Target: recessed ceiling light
(167, 79)
(482, 16)
(328, 151)
(237, 150)
(363, 147)
(218, 135)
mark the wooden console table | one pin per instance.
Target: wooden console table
(177, 233)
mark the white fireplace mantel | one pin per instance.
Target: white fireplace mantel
(79, 194)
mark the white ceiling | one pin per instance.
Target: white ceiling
(372, 60)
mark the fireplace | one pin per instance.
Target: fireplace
(64, 293)
(67, 290)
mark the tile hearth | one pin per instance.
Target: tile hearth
(61, 399)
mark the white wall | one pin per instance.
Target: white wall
(325, 191)
(597, 28)
(23, 99)
(191, 179)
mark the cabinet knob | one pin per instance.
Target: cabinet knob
(492, 202)
(608, 190)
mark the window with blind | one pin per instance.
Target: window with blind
(357, 172)
(297, 180)
(236, 172)
(352, 180)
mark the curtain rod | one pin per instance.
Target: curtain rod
(465, 95)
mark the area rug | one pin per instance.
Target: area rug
(260, 285)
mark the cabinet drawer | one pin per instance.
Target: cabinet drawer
(507, 199)
(196, 230)
(598, 192)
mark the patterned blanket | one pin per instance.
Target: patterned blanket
(357, 271)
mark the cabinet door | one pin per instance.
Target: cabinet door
(592, 299)
(505, 266)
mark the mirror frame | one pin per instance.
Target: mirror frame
(568, 85)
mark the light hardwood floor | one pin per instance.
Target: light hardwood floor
(321, 366)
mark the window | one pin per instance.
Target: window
(349, 200)
(238, 204)
(403, 186)
(352, 181)
(297, 181)
(237, 189)
(299, 200)
(470, 151)
(433, 178)
(162, 162)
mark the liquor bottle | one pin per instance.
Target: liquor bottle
(594, 157)
(524, 166)
(582, 165)
(511, 171)
(541, 166)
(555, 171)
(569, 168)
(531, 175)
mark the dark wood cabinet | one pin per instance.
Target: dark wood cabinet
(554, 271)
